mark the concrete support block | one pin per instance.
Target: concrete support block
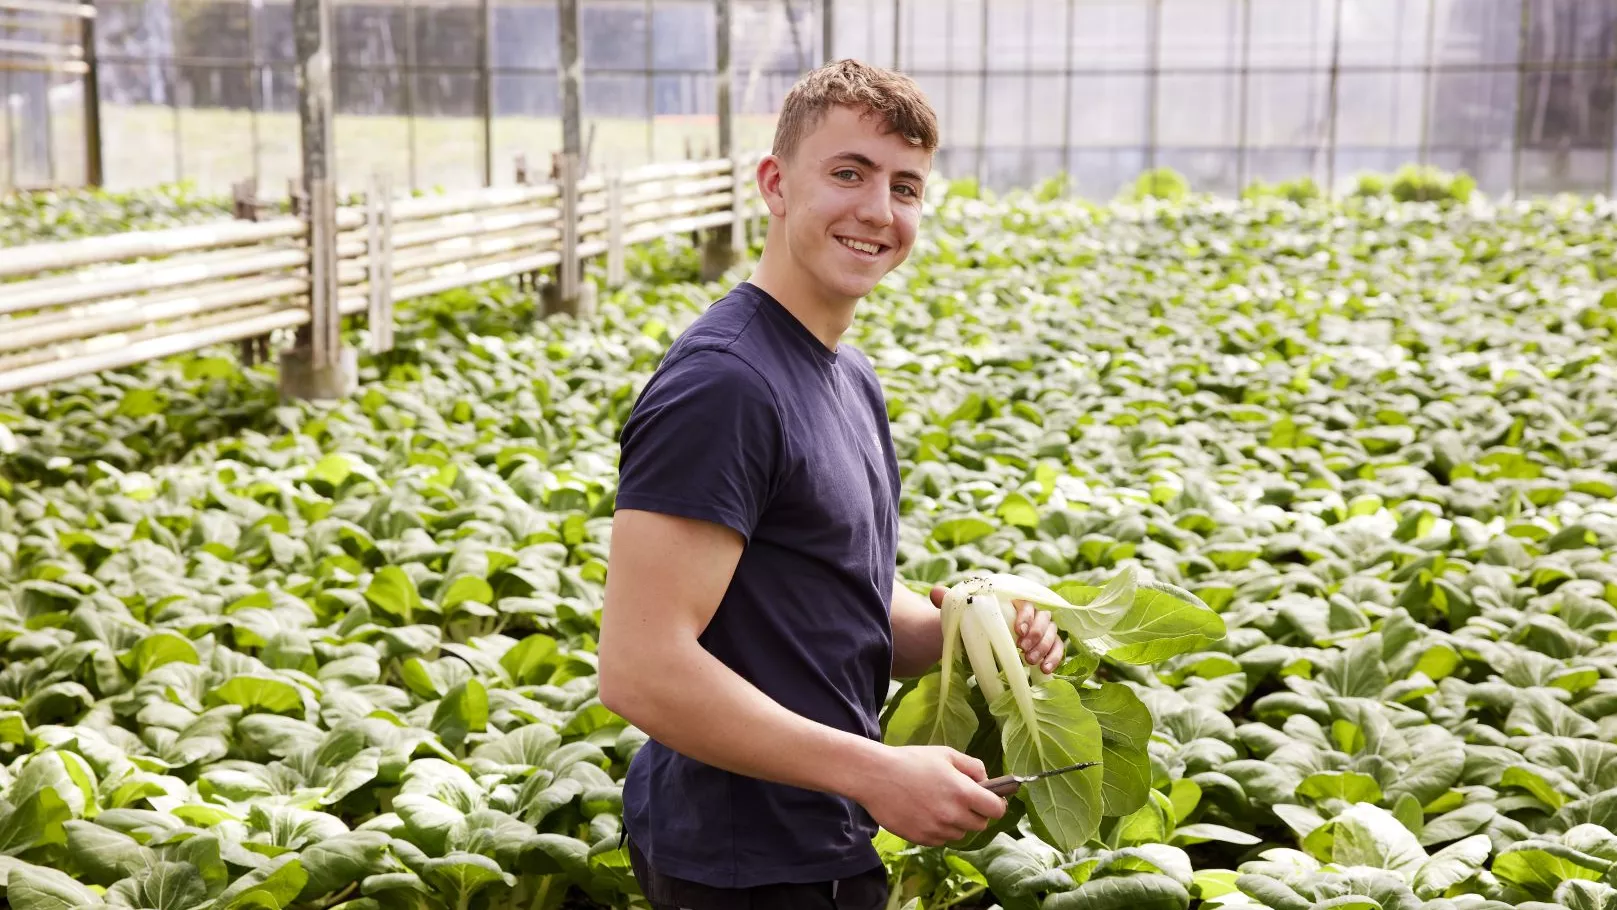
(301, 378)
(583, 307)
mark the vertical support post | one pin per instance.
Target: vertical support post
(1066, 99)
(244, 207)
(567, 276)
(1154, 89)
(318, 366)
(982, 96)
(1332, 101)
(1519, 130)
(898, 31)
(569, 295)
(719, 252)
(1241, 139)
(93, 155)
(827, 31)
(379, 261)
(738, 206)
(1428, 84)
(572, 132)
(616, 272)
(486, 61)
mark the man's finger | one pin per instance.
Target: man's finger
(1046, 648)
(1036, 629)
(1024, 616)
(937, 595)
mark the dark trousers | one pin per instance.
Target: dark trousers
(862, 892)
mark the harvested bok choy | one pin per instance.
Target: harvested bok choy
(1049, 720)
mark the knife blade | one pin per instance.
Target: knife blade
(1010, 783)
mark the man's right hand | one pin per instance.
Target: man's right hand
(929, 795)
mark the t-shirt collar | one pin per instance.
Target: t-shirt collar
(776, 309)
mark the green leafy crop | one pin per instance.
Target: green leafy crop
(1357, 455)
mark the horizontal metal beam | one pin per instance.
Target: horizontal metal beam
(49, 8)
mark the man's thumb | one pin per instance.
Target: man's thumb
(937, 595)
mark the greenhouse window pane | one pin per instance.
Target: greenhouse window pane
(684, 37)
(1045, 124)
(525, 36)
(1010, 38)
(527, 121)
(1111, 109)
(1565, 171)
(1098, 174)
(1366, 158)
(1384, 32)
(1280, 165)
(1209, 170)
(1288, 109)
(273, 41)
(1478, 31)
(1568, 109)
(1051, 29)
(137, 125)
(1007, 110)
(280, 147)
(965, 39)
(1380, 108)
(1005, 168)
(449, 130)
(370, 36)
(1490, 169)
(1197, 110)
(1290, 33)
(962, 112)
(1566, 31)
(1472, 108)
(447, 34)
(1111, 33)
(1200, 33)
(206, 28)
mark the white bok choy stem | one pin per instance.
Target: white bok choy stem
(993, 633)
(979, 651)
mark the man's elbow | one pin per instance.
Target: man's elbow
(616, 687)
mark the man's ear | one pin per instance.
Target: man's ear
(772, 185)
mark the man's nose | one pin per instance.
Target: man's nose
(875, 207)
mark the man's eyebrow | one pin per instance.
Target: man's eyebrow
(864, 161)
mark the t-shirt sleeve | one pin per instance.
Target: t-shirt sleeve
(702, 442)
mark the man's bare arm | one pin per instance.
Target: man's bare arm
(665, 579)
(917, 632)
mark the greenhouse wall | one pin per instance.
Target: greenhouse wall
(1519, 93)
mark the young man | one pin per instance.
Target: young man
(753, 620)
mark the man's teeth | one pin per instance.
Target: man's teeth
(861, 247)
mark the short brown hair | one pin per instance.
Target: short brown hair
(888, 94)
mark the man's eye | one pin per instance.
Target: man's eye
(906, 189)
(847, 173)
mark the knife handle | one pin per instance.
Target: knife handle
(1002, 786)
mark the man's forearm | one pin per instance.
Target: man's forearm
(689, 701)
(917, 632)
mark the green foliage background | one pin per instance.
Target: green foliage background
(264, 654)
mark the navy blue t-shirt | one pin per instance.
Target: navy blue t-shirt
(752, 423)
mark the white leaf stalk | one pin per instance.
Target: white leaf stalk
(979, 615)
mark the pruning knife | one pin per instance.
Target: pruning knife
(1005, 786)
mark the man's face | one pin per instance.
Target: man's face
(851, 197)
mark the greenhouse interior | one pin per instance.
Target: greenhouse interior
(858, 454)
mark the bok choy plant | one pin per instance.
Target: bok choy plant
(1019, 720)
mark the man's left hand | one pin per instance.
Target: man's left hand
(1037, 634)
